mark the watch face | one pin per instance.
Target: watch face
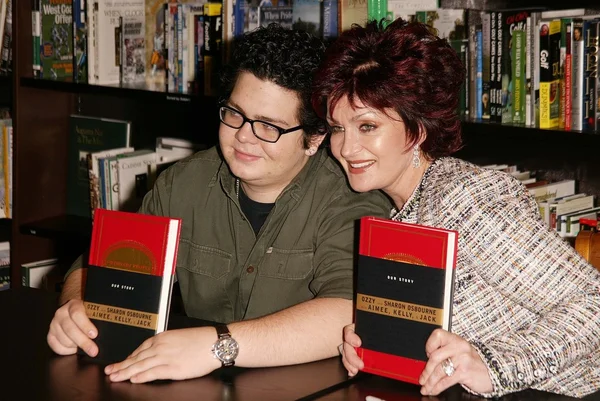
(226, 349)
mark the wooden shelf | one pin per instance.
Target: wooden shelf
(5, 230)
(60, 227)
(133, 91)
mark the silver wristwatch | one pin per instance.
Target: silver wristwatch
(226, 348)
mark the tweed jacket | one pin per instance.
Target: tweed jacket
(523, 297)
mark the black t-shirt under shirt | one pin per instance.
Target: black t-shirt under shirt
(255, 212)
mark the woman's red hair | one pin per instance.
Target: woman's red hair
(403, 67)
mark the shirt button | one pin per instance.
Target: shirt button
(250, 269)
(520, 376)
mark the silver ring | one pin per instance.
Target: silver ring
(341, 349)
(448, 367)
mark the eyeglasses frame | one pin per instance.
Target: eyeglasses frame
(282, 131)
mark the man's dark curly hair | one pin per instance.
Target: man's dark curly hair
(285, 57)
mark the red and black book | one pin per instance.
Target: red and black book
(129, 279)
(404, 292)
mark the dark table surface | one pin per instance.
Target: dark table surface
(29, 371)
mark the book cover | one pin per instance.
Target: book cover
(57, 40)
(133, 45)
(404, 292)
(129, 279)
(306, 16)
(87, 135)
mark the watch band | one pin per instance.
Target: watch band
(222, 330)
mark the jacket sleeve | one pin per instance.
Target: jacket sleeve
(336, 240)
(515, 252)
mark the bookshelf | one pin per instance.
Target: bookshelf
(40, 229)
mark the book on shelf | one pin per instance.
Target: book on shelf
(404, 291)
(56, 40)
(33, 273)
(4, 265)
(129, 279)
(96, 196)
(88, 135)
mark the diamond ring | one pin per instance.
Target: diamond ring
(448, 367)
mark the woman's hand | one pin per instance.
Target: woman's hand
(466, 366)
(350, 358)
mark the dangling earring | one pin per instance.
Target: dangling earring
(416, 159)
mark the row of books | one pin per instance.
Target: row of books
(176, 46)
(562, 208)
(158, 44)
(105, 171)
(532, 67)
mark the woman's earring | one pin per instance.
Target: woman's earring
(416, 159)
(311, 151)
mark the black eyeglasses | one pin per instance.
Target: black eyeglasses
(262, 130)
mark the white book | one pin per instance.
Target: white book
(569, 223)
(569, 205)
(136, 175)
(545, 205)
(32, 274)
(553, 190)
(521, 175)
(133, 49)
(109, 13)
(94, 174)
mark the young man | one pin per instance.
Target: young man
(268, 229)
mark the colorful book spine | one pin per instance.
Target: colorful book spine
(549, 73)
(493, 65)
(568, 76)
(578, 52)
(479, 72)
(80, 71)
(519, 43)
(590, 74)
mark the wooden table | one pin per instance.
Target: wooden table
(29, 370)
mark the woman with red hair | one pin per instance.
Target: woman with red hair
(526, 307)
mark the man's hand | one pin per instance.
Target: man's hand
(350, 358)
(175, 354)
(71, 328)
(468, 368)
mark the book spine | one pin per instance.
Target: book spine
(578, 67)
(518, 72)
(80, 45)
(528, 70)
(535, 69)
(499, 52)
(549, 73)
(472, 103)
(36, 31)
(493, 63)
(6, 41)
(479, 72)
(564, 22)
(590, 74)
(568, 79)
(486, 53)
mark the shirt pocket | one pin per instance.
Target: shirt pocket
(202, 273)
(204, 260)
(286, 264)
